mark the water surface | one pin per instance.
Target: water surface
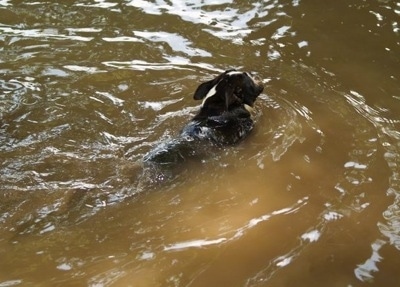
(310, 198)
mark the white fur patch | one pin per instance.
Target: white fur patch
(234, 73)
(210, 93)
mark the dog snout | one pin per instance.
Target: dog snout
(255, 77)
(256, 80)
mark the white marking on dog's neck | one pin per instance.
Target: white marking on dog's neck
(210, 93)
(234, 73)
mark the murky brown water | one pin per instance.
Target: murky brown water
(311, 198)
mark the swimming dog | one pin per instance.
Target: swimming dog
(224, 119)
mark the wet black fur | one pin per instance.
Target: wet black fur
(222, 120)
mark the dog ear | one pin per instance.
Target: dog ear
(230, 97)
(203, 90)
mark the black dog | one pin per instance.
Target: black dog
(224, 119)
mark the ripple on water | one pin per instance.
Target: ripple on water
(88, 88)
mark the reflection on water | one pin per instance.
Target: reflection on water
(311, 198)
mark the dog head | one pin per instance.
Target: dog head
(230, 90)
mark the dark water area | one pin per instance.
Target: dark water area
(310, 198)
